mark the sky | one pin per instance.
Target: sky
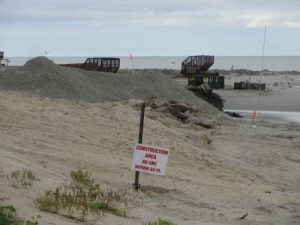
(149, 27)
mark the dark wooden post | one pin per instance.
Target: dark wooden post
(140, 141)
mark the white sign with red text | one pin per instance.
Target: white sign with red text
(150, 159)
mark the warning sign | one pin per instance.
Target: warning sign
(150, 159)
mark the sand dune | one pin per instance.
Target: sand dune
(214, 176)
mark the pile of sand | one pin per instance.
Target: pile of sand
(41, 76)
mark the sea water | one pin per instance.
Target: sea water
(273, 63)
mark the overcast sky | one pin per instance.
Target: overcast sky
(149, 27)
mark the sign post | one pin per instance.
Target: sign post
(136, 184)
(146, 158)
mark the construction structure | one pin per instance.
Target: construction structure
(1, 58)
(243, 85)
(98, 64)
(201, 81)
(194, 65)
(195, 68)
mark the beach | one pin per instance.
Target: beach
(279, 101)
(56, 120)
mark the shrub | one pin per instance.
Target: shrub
(51, 201)
(77, 198)
(82, 194)
(8, 216)
(83, 198)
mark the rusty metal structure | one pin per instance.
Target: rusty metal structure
(194, 65)
(214, 81)
(98, 64)
(196, 69)
(248, 85)
(1, 58)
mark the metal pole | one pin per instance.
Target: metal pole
(140, 141)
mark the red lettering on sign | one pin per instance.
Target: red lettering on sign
(153, 163)
(140, 167)
(145, 161)
(150, 156)
(152, 150)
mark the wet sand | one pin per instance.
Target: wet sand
(281, 93)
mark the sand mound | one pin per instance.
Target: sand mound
(41, 76)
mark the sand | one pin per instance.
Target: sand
(41, 76)
(214, 176)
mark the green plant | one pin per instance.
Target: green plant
(83, 198)
(8, 216)
(160, 222)
(80, 197)
(50, 202)
(22, 177)
(84, 191)
(118, 202)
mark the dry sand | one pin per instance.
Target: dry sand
(214, 176)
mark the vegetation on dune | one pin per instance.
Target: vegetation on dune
(160, 222)
(8, 216)
(22, 178)
(83, 200)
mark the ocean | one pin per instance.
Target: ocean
(273, 63)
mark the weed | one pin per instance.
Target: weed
(22, 177)
(118, 202)
(160, 222)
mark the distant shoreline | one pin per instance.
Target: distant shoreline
(174, 72)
